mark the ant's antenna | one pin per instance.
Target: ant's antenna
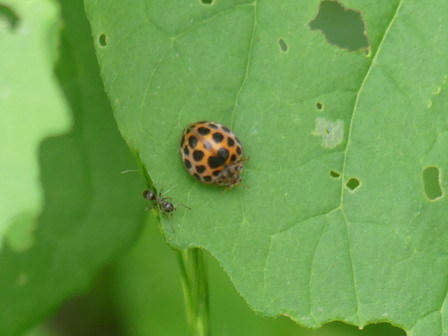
(129, 171)
(174, 186)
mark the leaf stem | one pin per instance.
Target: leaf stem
(195, 288)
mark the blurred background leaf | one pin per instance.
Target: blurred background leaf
(92, 213)
(32, 107)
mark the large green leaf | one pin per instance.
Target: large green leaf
(31, 108)
(334, 222)
(91, 212)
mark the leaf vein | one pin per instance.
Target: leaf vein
(248, 62)
(349, 135)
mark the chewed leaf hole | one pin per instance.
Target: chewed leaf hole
(334, 174)
(341, 26)
(283, 45)
(8, 18)
(102, 40)
(352, 184)
(207, 2)
(319, 106)
(431, 181)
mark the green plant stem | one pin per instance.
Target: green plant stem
(194, 283)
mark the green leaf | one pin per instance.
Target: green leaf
(32, 108)
(333, 222)
(92, 212)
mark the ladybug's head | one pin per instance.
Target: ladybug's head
(230, 176)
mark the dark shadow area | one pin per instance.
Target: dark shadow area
(91, 314)
(342, 329)
(7, 15)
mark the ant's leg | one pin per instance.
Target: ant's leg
(184, 206)
(151, 207)
(164, 199)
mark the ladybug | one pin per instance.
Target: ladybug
(157, 200)
(212, 153)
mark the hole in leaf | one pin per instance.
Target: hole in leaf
(353, 183)
(431, 181)
(334, 174)
(102, 40)
(207, 2)
(319, 106)
(8, 18)
(341, 26)
(283, 45)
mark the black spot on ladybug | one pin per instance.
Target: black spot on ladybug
(238, 150)
(198, 155)
(212, 153)
(203, 130)
(215, 161)
(224, 153)
(192, 141)
(218, 137)
(200, 169)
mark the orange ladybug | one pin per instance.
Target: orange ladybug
(212, 153)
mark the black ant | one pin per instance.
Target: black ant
(164, 203)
